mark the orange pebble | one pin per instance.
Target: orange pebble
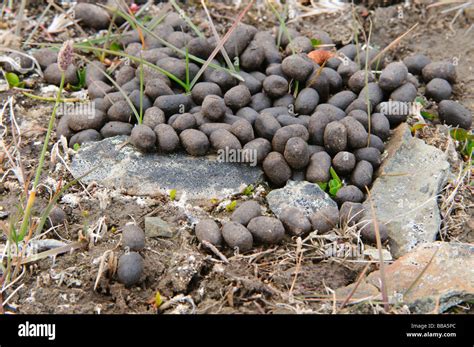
(319, 56)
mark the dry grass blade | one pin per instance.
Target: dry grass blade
(392, 44)
(379, 247)
(417, 279)
(216, 35)
(222, 42)
(359, 280)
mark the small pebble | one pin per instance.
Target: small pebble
(267, 230)
(194, 142)
(361, 177)
(351, 213)
(438, 89)
(276, 169)
(439, 69)
(325, 219)
(295, 221)
(236, 235)
(455, 114)
(130, 268)
(143, 137)
(296, 153)
(344, 162)
(245, 212)
(318, 168)
(349, 193)
(167, 139)
(208, 230)
(213, 108)
(133, 237)
(275, 86)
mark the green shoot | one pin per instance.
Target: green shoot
(248, 191)
(129, 102)
(183, 15)
(13, 80)
(76, 147)
(283, 27)
(335, 183)
(32, 197)
(81, 76)
(140, 118)
(107, 37)
(173, 194)
(182, 52)
(231, 206)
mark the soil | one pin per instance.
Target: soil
(267, 280)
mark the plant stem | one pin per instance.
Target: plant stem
(39, 169)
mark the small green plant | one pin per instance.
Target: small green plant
(14, 80)
(248, 191)
(466, 140)
(231, 206)
(81, 76)
(173, 194)
(335, 183)
(315, 43)
(76, 147)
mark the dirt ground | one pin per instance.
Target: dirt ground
(189, 278)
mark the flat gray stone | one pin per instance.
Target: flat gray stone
(157, 227)
(405, 193)
(303, 195)
(135, 173)
(431, 279)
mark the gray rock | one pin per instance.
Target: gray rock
(351, 213)
(349, 193)
(133, 237)
(245, 212)
(455, 114)
(440, 69)
(275, 86)
(276, 169)
(89, 135)
(130, 268)
(237, 97)
(325, 219)
(295, 221)
(344, 162)
(446, 282)
(126, 169)
(194, 142)
(208, 230)
(307, 197)
(438, 89)
(157, 227)
(267, 230)
(236, 235)
(92, 16)
(411, 214)
(416, 62)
